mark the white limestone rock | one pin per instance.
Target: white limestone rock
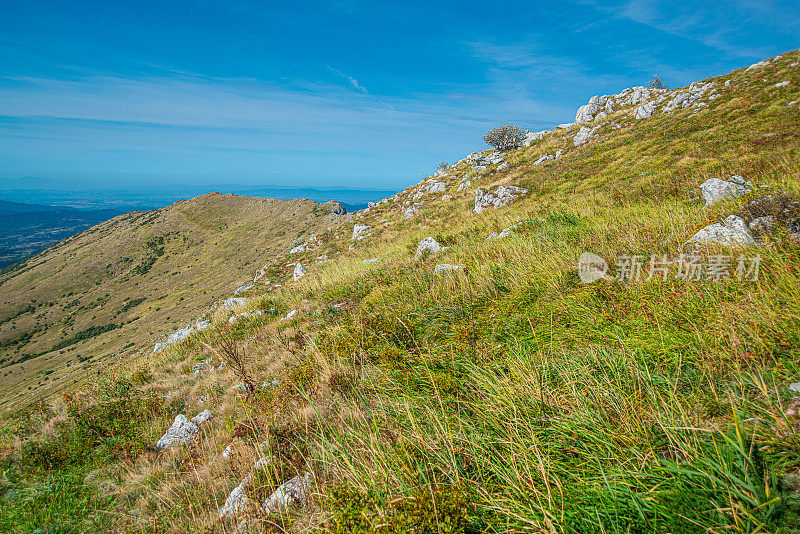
(236, 501)
(446, 268)
(732, 232)
(299, 272)
(782, 84)
(428, 244)
(530, 137)
(359, 229)
(294, 491)
(498, 197)
(583, 135)
(412, 210)
(714, 189)
(202, 417)
(644, 111)
(181, 432)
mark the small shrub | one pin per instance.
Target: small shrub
(505, 137)
(657, 83)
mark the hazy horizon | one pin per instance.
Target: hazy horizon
(354, 95)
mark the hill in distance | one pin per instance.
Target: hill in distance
(111, 289)
(471, 385)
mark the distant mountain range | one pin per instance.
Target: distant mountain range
(27, 229)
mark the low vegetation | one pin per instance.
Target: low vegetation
(505, 396)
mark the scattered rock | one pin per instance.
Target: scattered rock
(497, 198)
(412, 210)
(428, 244)
(245, 315)
(446, 267)
(236, 501)
(795, 387)
(293, 491)
(732, 232)
(758, 65)
(714, 189)
(202, 417)
(290, 315)
(584, 135)
(782, 84)
(463, 186)
(644, 111)
(299, 272)
(530, 137)
(242, 289)
(359, 229)
(182, 431)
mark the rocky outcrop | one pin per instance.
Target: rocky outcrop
(429, 245)
(497, 198)
(715, 190)
(181, 432)
(644, 111)
(412, 209)
(733, 232)
(236, 501)
(446, 268)
(294, 491)
(299, 272)
(202, 417)
(358, 231)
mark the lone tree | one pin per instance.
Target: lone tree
(505, 137)
(657, 83)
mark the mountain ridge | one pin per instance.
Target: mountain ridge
(436, 362)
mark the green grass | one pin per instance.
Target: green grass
(507, 397)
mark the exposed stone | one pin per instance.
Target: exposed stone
(758, 65)
(428, 244)
(530, 137)
(781, 84)
(582, 136)
(732, 232)
(299, 272)
(370, 260)
(242, 289)
(644, 111)
(446, 267)
(294, 491)
(202, 417)
(245, 315)
(359, 229)
(498, 197)
(463, 186)
(236, 501)
(714, 189)
(412, 210)
(182, 431)
(586, 112)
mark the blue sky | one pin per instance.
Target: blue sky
(331, 94)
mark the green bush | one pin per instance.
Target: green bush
(505, 137)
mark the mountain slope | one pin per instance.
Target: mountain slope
(497, 395)
(126, 281)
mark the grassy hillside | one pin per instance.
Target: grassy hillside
(506, 396)
(111, 290)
